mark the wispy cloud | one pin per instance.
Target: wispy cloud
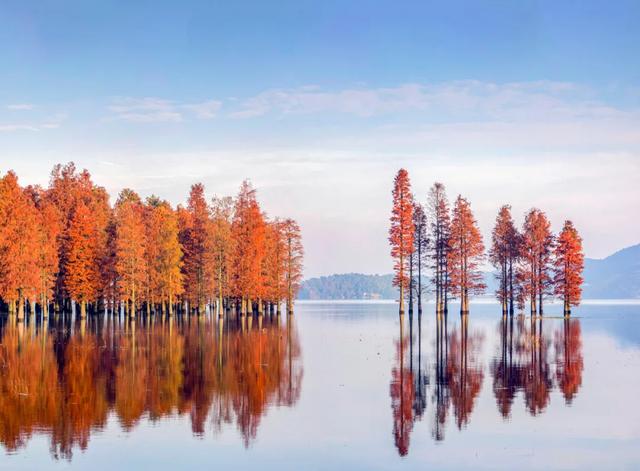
(205, 109)
(18, 127)
(459, 100)
(145, 110)
(50, 122)
(21, 107)
(155, 110)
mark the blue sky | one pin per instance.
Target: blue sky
(319, 103)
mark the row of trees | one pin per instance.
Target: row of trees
(65, 244)
(531, 264)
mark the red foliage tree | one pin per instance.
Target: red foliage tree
(163, 254)
(534, 272)
(82, 279)
(48, 260)
(131, 243)
(18, 244)
(401, 232)
(505, 249)
(421, 245)
(466, 252)
(440, 221)
(248, 232)
(568, 265)
(274, 263)
(293, 260)
(69, 188)
(222, 214)
(198, 253)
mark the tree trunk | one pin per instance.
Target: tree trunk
(20, 305)
(419, 278)
(411, 285)
(510, 286)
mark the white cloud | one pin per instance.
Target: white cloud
(21, 107)
(204, 110)
(154, 110)
(145, 110)
(468, 100)
(18, 127)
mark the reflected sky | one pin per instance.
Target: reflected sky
(341, 385)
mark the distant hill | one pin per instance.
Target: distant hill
(348, 286)
(614, 277)
(617, 276)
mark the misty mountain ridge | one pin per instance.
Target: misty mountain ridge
(614, 277)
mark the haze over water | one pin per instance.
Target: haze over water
(338, 385)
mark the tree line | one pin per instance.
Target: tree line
(65, 246)
(436, 245)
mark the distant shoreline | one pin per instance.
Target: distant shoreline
(594, 302)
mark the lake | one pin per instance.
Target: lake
(336, 386)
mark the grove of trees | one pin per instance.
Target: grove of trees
(532, 265)
(65, 246)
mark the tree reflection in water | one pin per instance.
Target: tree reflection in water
(67, 379)
(402, 395)
(522, 364)
(569, 363)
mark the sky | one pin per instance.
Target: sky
(530, 103)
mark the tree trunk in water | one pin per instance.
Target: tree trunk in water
(83, 309)
(510, 287)
(540, 301)
(132, 310)
(533, 300)
(20, 305)
(411, 285)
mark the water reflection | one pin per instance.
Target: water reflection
(402, 394)
(464, 371)
(522, 364)
(66, 379)
(569, 363)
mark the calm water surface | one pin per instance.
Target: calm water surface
(338, 386)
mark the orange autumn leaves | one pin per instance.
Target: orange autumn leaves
(531, 265)
(456, 246)
(66, 244)
(401, 232)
